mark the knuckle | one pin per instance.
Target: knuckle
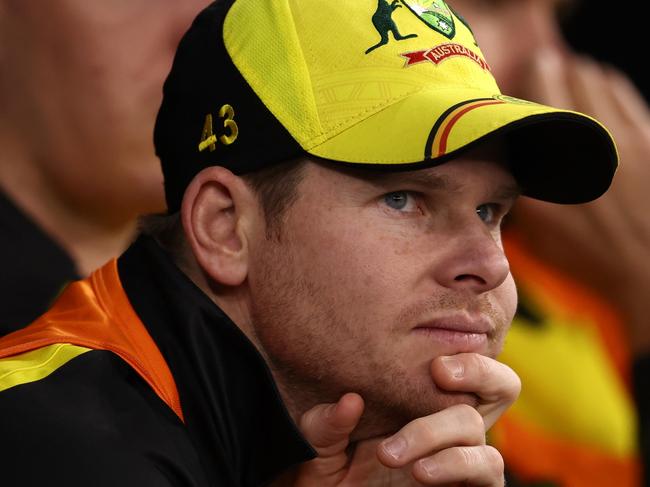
(516, 386)
(485, 459)
(470, 418)
(471, 457)
(463, 410)
(493, 460)
(505, 383)
(425, 428)
(317, 429)
(307, 420)
(483, 366)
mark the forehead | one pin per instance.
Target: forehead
(483, 166)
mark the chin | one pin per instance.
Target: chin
(382, 419)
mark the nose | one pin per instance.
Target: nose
(474, 262)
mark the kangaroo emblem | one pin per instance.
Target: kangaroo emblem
(383, 22)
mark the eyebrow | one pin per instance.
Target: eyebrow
(509, 192)
(424, 179)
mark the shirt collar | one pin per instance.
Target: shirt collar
(233, 411)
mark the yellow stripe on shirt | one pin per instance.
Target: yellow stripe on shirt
(36, 364)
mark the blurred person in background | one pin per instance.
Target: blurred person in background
(80, 84)
(269, 290)
(582, 271)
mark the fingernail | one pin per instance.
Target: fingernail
(395, 447)
(454, 366)
(429, 466)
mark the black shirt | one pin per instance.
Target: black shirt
(94, 421)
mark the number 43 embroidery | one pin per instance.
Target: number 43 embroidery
(209, 140)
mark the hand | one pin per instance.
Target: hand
(603, 244)
(443, 448)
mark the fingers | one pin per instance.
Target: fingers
(583, 84)
(616, 223)
(607, 94)
(476, 465)
(457, 425)
(580, 83)
(629, 99)
(547, 82)
(496, 384)
(445, 448)
(328, 426)
(592, 92)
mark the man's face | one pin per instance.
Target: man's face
(375, 275)
(510, 32)
(80, 83)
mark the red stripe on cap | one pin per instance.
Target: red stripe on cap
(445, 134)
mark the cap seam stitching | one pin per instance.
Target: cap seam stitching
(307, 67)
(317, 141)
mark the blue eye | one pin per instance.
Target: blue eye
(486, 213)
(397, 200)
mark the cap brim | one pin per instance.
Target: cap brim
(555, 155)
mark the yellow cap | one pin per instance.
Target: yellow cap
(396, 83)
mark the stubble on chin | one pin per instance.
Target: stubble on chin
(319, 351)
(400, 397)
(395, 392)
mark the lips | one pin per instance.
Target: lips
(458, 333)
(459, 323)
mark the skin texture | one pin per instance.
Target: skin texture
(80, 84)
(604, 243)
(361, 299)
(439, 449)
(349, 290)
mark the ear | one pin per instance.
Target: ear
(217, 212)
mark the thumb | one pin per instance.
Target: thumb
(327, 427)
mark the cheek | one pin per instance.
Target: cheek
(358, 263)
(507, 296)
(349, 276)
(347, 273)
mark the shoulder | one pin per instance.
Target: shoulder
(75, 416)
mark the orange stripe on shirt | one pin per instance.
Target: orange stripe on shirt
(96, 313)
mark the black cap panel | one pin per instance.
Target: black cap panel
(202, 83)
